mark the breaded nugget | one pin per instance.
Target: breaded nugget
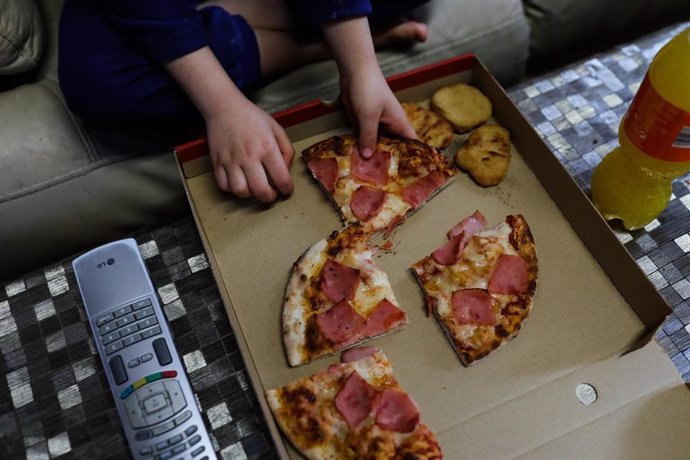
(486, 154)
(464, 106)
(431, 128)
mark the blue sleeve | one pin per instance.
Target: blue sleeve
(315, 11)
(162, 29)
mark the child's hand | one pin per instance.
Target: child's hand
(250, 151)
(365, 95)
(368, 101)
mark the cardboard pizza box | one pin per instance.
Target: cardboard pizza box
(570, 384)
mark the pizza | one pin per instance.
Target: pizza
(382, 191)
(337, 297)
(480, 285)
(355, 409)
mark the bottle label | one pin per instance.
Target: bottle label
(657, 127)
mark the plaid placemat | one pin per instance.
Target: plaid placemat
(54, 400)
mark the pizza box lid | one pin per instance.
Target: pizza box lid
(593, 306)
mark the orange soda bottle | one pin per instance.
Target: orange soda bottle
(633, 182)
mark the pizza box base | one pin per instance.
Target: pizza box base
(593, 305)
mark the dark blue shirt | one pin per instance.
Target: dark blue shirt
(167, 29)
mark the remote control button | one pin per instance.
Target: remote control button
(117, 367)
(197, 451)
(195, 439)
(175, 394)
(150, 332)
(136, 418)
(133, 362)
(162, 353)
(108, 327)
(148, 450)
(131, 329)
(131, 339)
(175, 440)
(126, 392)
(122, 311)
(125, 320)
(147, 322)
(164, 428)
(183, 417)
(165, 455)
(205, 457)
(104, 319)
(191, 430)
(179, 449)
(139, 304)
(154, 403)
(113, 347)
(147, 357)
(159, 416)
(146, 312)
(108, 338)
(162, 445)
(143, 435)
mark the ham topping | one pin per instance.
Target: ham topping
(325, 170)
(449, 252)
(355, 354)
(340, 322)
(338, 281)
(374, 170)
(355, 400)
(471, 225)
(510, 275)
(473, 306)
(421, 189)
(459, 236)
(384, 317)
(397, 411)
(366, 202)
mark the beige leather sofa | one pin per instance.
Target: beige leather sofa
(66, 187)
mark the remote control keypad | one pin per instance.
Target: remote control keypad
(127, 325)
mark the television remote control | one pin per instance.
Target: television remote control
(152, 393)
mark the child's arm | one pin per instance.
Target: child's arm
(250, 151)
(367, 98)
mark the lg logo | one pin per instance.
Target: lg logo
(110, 261)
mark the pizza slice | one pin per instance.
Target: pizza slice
(480, 285)
(337, 297)
(382, 191)
(355, 409)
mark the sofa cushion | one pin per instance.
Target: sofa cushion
(561, 24)
(66, 188)
(21, 36)
(495, 30)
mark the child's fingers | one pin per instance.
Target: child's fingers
(221, 178)
(238, 183)
(278, 174)
(258, 183)
(368, 129)
(284, 144)
(399, 124)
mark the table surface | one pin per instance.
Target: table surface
(54, 400)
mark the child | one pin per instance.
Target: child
(167, 62)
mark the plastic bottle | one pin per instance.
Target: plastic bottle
(633, 182)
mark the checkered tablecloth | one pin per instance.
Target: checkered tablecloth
(54, 400)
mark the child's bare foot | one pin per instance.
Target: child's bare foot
(403, 32)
